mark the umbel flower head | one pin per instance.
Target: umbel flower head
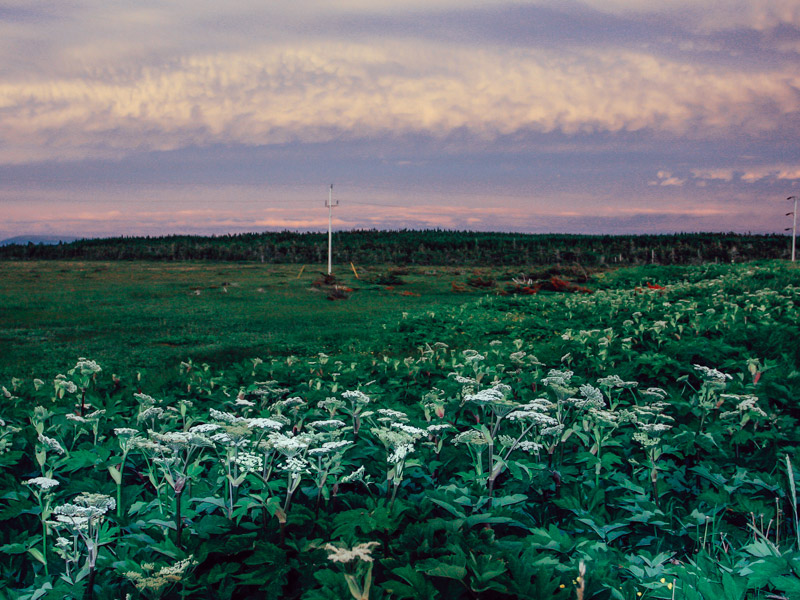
(43, 483)
(155, 581)
(362, 552)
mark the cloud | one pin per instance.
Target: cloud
(750, 174)
(327, 91)
(713, 174)
(665, 178)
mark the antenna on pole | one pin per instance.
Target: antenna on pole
(329, 204)
(794, 222)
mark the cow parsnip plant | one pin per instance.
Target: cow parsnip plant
(638, 442)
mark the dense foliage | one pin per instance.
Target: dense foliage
(638, 442)
(431, 247)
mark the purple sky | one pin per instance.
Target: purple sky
(581, 116)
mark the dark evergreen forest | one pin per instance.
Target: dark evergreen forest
(428, 247)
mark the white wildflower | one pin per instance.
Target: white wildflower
(225, 417)
(653, 393)
(362, 552)
(615, 381)
(357, 475)
(356, 397)
(43, 483)
(205, 428)
(400, 452)
(414, 432)
(712, 374)
(393, 414)
(327, 424)
(51, 444)
(249, 462)
(438, 427)
(263, 423)
(473, 437)
(295, 465)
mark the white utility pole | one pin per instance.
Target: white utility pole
(329, 204)
(794, 222)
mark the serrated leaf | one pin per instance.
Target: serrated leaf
(13, 549)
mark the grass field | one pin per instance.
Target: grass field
(635, 443)
(148, 315)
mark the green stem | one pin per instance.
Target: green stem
(178, 520)
(44, 546)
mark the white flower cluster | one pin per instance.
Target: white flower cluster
(87, 367)
(83, 509)
(43, 483)
(153, 580)
(225, 417)
(51, 444)
(327, 424)
(153, 412)
(295, 465)
(436, 427)
(330, 447)
(557, 378)
(331, 405)
(205, 428)
(615, 381)
(746, 404)
(356, 397)
(357, 475)
(592, 398)
(263, 423)
(181, 439)
(362, 552)
(400, 452)
(653, 393)
(392, 414)
(473, 356)
(472, 437)
(712, 374)
(487, 396)
(61, 383)
(288, 445)
(288, 403)
(249, 462)
(414, 432)
(145, 399)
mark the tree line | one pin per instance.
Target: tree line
(411, 247)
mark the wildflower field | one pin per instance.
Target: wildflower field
(639, 441)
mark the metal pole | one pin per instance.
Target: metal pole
(794, 227)
(794, 224)
(330, 219)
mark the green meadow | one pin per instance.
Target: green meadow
(151, 315)
(228, 431)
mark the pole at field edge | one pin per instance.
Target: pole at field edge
(794, 227)
(330, 206)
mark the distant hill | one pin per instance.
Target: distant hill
(24, 240)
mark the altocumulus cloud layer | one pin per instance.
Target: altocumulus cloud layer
(571, 116)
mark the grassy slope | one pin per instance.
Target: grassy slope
(128, 315)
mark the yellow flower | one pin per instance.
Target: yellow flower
(669, 585)
(562, 586)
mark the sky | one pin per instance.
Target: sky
(577, 116)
